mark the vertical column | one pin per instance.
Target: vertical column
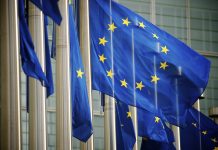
(176, 132)
(134, 109)
(63, 101)
(109, 108)
(9, 76)
(135, 124)
(188, 22)
(37, 97)
(85, 52)
(109, 124)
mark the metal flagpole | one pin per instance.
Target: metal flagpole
(9, 76)
(109, 124)
(175, 129)
(135, 124)
(133, 110)
(37, 96)
(85, 52)
(109, 108)
(63, 100)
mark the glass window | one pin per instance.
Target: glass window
(171, 17)
(204, 23)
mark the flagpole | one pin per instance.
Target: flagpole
(10, 137)
(175, 129)
(134, 109)
(63, 99)
(37, 96)
(109, 124)
(109, 107)
(85, 52)
(135, 124)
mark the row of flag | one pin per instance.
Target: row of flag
(138, 64)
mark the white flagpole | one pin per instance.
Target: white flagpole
(109, 108)
(85, 52)
(176, 130)
(134, 109)
(37, 97)
(109, 124)
(9, 76)
(63, 99)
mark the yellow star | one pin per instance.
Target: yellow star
(129, 114)
(157, 119)
(204, 132)
(155, 36)
(102, 58)
(195, 125)
(123, 83)
(141, 24)
(79, 73)
(139, 85)
(110, 74)
(164, 50)
(214, 140)
(111, 27)
(126, 21)
(102, 41)
(154, 79)
(163, 65)
(215, 148)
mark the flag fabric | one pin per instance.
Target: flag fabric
(49, 8)
(30, 62)
(153, 127)
(148, 144)
(125, 134)
(50, 87)
(200, 133)
(139, 64)
(81, 115)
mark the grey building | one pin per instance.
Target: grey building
(195, 22)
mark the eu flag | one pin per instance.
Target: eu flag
(153, 127)
(81, 115)
(125, 133)
(30, 62)
(49, 8)
(139, 64)
(200, 133)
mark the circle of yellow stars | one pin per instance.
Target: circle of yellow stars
(139, 85)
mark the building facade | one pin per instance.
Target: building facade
(195, 22)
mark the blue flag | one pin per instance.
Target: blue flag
(148, 144)
(125, 133)
(141, 65)
(49, 8)
(200, 133)
(153, 127)
(81, 115)
(50, 87)
(30, 62)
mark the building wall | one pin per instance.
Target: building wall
(195, 23)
